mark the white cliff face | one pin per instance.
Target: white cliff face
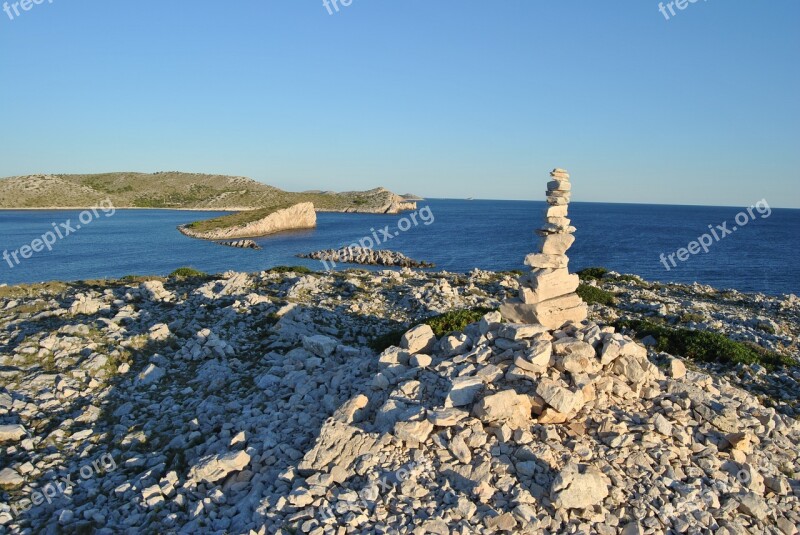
(299, 216)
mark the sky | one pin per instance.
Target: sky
(444, 98)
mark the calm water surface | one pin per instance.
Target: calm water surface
(760, 256)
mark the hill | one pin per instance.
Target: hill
(181, 191)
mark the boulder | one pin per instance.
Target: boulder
(505, 407)
(212, 468)
(420, 339)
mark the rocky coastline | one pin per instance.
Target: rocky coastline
(223, 401)
(296, 217)
(241, 244)
(289, 401)
(365, 256)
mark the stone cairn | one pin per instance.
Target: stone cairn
(547, 294)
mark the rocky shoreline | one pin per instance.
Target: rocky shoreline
(260, 402)
(366, 257)
(296, 217)
(241, 244)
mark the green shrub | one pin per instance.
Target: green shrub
(704, 346)
(594, 295)
(455, 320)
(187, 273)
(291, 269)
(592, 273)
(686, 317)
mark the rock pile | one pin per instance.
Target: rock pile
(547, 294)
(241, 244)
(365, 256)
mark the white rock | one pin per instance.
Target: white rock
(420, 339)
(321, 346)
(579, 487)
(505, 407)
(12, 433)
(212, 468)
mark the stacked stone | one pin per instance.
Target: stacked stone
(547, 294)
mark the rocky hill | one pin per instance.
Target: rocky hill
(181, 191)
(294, 402)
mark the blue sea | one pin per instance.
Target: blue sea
(457, 235)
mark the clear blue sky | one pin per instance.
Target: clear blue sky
(445, 98)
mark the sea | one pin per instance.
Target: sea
(753, 250)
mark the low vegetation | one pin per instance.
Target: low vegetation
(703, 345)
(593, 295)
(442, 325)
(592, 273)
(187, 273)
(302, 270)
(234, 220)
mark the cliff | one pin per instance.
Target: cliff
(254, 224)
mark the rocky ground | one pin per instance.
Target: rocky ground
(244, 402)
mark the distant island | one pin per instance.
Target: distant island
(262, 209)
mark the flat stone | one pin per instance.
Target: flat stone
(413, 432)
(10, 478)
(447, 417)
(464, 391)
(553, 313)
(12, 433)
(319, 345)
(215, 467)
(505, 407)
(560, 398)
(544, 284)
(546, 261)
(557, 244)
(420, 339)
(520, 331)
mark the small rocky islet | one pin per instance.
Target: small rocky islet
(288, 401)
(365, 256)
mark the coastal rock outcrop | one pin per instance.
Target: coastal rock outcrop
(298, 216)
(365, 256)
(547, 294)
(241, 244)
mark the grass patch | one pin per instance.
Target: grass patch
(592, 273)
(187, 273)
(593, 295)
(33, 290)
(239, 219)
(705, 346)
(444, 324)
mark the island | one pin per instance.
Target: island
(260, 209)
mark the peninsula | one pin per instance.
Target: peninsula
(262, 209)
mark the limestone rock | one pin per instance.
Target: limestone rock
(579, 487)
(216, 467)
(420, 339)
(12, 433)
(505, 407)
